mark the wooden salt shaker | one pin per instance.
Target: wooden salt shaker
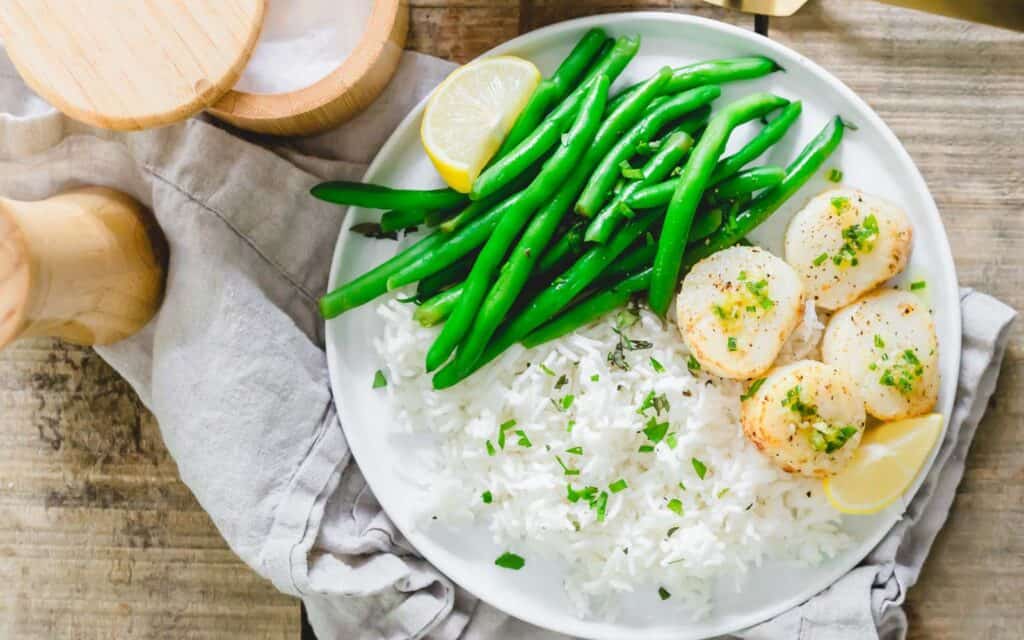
(86, 266)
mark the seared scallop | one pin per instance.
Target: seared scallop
(845, 243)
(736, 309)
(807, 417)
(887, 342)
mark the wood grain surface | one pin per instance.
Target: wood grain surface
(99, 538)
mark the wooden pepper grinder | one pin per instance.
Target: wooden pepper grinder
(86, 265)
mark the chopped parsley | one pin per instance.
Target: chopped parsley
(567, 401)
(595, 378)
(565, 469)
(731, 343)
(657, 366)
(645, 448)
(663, 593)
(723, 492)
(505, 426)
(511, 561)
(793, 402)
(597, 501)
(700, 468)
(879, 343)
(857, 239)
(618, 485)
(586, 493)
(820, 259)
(569, 425)
(657, 402)
(629, 172)
(576, 451)
(655, 431)
(379, 380)
(675, 506)
(759, 290)
(752, 389)
(487, 497)
(692, 364)
(904, 372)
(834, 175)
(562, 381)
(918, 285)
(601, 505)
(490, 448)
(839, 203)
(821, 435)
(671, 440)
(547, 370)
(523, 441)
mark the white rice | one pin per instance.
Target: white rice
(742, 512)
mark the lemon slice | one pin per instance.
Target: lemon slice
(887, 461)
(470, 113)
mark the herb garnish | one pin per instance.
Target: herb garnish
(699, 467)
(379, 380)
(618, 485)
(547, 370)
(663, 593)
(730, 343)
(511, 561)
(858, 239)
(754, 386)
(821, 435)
(373, 230)
(917, 285)
(566, 469)
(657, 366)
(629, 172)
(834, 175)
(675, 506)
(820, 259)
(487, 497)
(576, 451)
(692, 364)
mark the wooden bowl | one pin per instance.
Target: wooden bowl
(339, 96)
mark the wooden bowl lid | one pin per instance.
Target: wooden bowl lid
(130, 65)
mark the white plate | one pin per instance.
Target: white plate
(871, 158)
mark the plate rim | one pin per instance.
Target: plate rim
(946, 265)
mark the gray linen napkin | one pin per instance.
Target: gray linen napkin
(232, 367)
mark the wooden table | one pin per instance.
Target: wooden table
(99, 538)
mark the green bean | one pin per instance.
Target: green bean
(687, 196)
(589, 310)
(553, 299)
(516, 272)
(555, 171)
(439, 307)
(637, 259)
(746, 182)
(567, 245)
(712, 72)
(549, 132)
(705, 224)
(553, 89)
(373, 196)
(769, 135)
(479, 207)
(606, 173)
(446, 277)
(373, 283)
(667, 157)
(651, 196)
(799, 171)
(398, 220)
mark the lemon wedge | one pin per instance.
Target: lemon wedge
(885, 464)
(470, 113)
